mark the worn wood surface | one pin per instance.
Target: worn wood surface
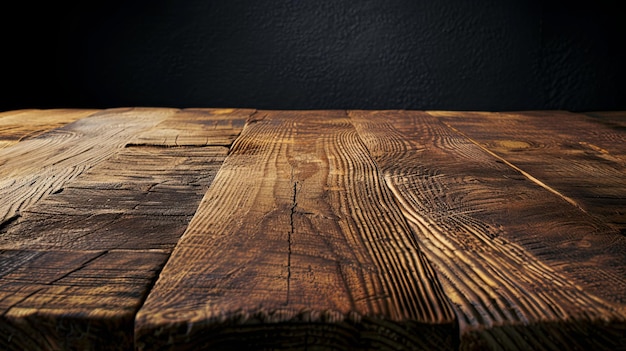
(509, 252)
(580, 158)
(297, 240)
(161, 228)
(19, 125)
(91, 216)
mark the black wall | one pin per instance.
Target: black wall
(308, 54)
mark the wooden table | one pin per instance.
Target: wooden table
(160, 228)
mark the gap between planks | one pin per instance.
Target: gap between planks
(51, 271)
(292, 203)
(473, 335)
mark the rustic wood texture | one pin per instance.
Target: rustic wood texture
(42, 165)
(197, 127)
(582, 158)
(78, 263)
(613, 119)
(523, 268)
(73, 300)
(162, 228)
(142, 197)
(18, 125)
(297, 245)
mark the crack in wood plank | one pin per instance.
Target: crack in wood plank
(100, 238)
(394, 222)
(35, 168)
(294, 205)
(354, 275)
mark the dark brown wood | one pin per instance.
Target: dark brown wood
(78, 263)
(581, 158)
(141, 198)
(296, 245)
(161, 228)
(615, 120)
(523, 268)
(73, 300)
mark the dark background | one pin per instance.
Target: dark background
(308, 54)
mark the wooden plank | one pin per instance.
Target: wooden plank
(523, 268)
(612, 119)
(22, 124)
(140, 198)
(297, 245)
(77, 265)
(127, 200)
(70, 300)
(579, 157)
(40, 166)
(197, 127)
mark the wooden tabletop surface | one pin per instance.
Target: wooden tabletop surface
(191, 229)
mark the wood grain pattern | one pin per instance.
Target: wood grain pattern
(580, 157)
(197, 127)
(312, 230)
(127, 201)
(523, 268)
(297, 245)
(73, 300)
(140, 198)
(40, 166)
(76, 265)
(23, 124)
(615, 120)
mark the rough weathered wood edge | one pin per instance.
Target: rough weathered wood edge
(74, 329)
